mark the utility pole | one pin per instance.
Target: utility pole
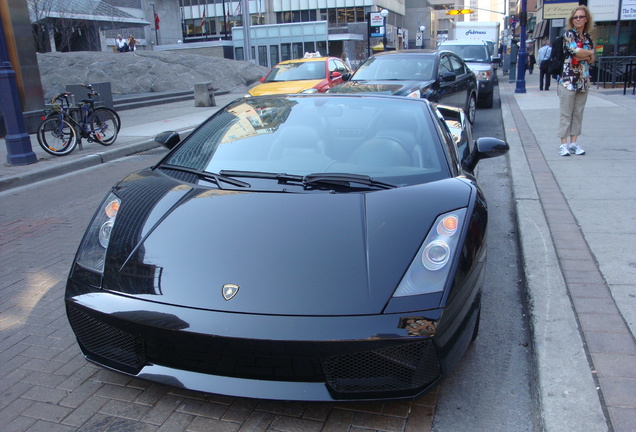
(245, 10)
(17, 140)
(523, 54)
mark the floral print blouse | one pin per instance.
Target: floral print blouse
(576, 74)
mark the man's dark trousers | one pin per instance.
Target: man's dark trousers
(543, 72)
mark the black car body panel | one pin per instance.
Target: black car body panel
(329, 240)
(399, 88)
(416, 73)
(288, 286)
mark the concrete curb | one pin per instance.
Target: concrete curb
(568, 396)
(86, 161)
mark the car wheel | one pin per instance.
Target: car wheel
(471, 108)
(487, 103)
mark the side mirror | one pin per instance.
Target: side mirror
(335, 74)
(347, 76)
(448, 76)
(485, 148)
(495, 59)
(168, 139)
(262, 79)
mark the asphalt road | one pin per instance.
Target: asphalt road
(492, 390)
(46, 384)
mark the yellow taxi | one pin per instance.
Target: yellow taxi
(311, 74)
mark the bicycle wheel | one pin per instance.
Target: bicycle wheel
(113, 112)
(56, 136)
(103, 126)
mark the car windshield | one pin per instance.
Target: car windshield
(419, 68)
(387, 139)
(312, 70)
(469, 53)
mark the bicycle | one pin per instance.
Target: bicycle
(93, 98)
(93, 94)
(67, 123)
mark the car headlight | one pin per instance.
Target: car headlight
(311, 90)
(415, 94)
(92, 252)
(430, 268)
(484, 75)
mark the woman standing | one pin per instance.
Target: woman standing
(575, 78)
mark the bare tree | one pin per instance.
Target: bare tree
(70, 29)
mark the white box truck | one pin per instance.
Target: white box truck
(484, 30)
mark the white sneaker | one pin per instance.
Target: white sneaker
(576, 149)
(563, 150)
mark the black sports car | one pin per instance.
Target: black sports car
(294, 247)
(439, 76)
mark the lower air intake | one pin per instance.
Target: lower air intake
(106, 344)
(402, 369)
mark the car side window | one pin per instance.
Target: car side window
(457, 65)
(445, 65)
(336, 66)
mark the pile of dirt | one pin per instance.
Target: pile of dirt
(144, 71)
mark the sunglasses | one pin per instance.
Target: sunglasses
(579, 17)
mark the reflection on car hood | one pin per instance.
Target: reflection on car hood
(398, 88)
(478, 66)
(290, 254)
(282, 87)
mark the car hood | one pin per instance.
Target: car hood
(397, 88)
(283, 87)
(478, 66)
(289, 254)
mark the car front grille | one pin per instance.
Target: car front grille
(405, 368)
(106, 344)
(389, 369)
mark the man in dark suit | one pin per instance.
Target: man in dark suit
(544, 64)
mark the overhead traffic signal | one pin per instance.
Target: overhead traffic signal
(459, 11)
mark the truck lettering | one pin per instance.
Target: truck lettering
(475, 32)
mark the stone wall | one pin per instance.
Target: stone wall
(145, 71)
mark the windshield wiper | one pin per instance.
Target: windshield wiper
(344, 179)
(282, 177)
(218, 178)
(315, 179)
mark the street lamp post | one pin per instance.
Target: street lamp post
(17, 141)
(523, 54)
(422, 42)
(384, 13)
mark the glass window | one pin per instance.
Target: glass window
(310, 47)
(388, 138)
(298, 50)
(321, 47)
(457, 65)
(273, 54)
(286, 53)
(445, 65)
(238, 53)
(262, 55)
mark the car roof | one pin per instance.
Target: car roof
(407, 52)
(304, 60)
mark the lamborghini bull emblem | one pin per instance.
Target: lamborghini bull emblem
(229, 291)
